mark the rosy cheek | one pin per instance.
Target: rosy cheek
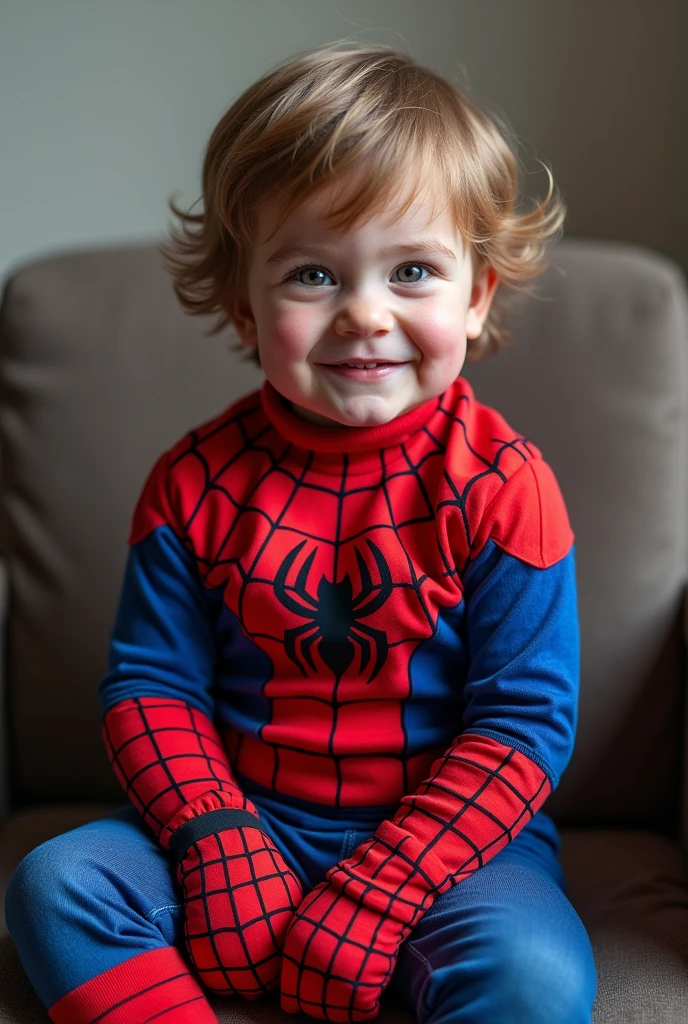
(443, 330)
(293, 328)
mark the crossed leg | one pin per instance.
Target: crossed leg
(503, 945)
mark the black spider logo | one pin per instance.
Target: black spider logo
(334, 616)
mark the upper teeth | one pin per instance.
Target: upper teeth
(361, 366)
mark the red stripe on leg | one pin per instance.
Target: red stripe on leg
(156, 985)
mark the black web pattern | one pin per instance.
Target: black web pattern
(247, 472)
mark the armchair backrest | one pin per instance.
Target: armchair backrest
(100, 371)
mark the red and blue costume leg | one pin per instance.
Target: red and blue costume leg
(96, 919)
(96, 911)
(504, 945)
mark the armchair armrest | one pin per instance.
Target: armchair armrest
(4, 746)
(684, 801)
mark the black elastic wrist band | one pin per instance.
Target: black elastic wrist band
(207, 824)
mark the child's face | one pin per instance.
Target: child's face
(366, 298)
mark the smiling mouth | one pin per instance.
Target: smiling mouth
(360, 371)
(364, 366)
(370, 365)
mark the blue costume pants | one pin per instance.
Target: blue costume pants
(505, 945)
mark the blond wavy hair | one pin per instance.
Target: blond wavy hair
(324, 112)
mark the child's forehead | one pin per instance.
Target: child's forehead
(400, 209)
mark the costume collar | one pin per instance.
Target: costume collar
(341, 440)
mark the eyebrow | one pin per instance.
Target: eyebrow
(430, 247)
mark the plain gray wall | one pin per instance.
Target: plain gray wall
(105, 107)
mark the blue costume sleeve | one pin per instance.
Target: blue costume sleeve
(523, 678)
(163, 641)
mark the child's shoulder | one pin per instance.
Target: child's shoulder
(482, 429)
(500, 482)
(226, 431)
(187, 468)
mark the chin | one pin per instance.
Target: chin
(368, 414)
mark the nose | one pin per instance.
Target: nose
(363, 317)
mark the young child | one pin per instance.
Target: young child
(344, 672)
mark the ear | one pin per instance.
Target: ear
(243, 321)
(484, 286)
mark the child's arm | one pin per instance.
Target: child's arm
(157, 702)
(519, 729)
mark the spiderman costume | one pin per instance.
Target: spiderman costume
(277, 531)
(295, 636)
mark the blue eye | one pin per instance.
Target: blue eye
(314, 275)
(412, 267)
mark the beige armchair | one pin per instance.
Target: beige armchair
(100, 370)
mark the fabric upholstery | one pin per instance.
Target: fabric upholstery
(630, 889)
(100, 370)
(4, 752)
